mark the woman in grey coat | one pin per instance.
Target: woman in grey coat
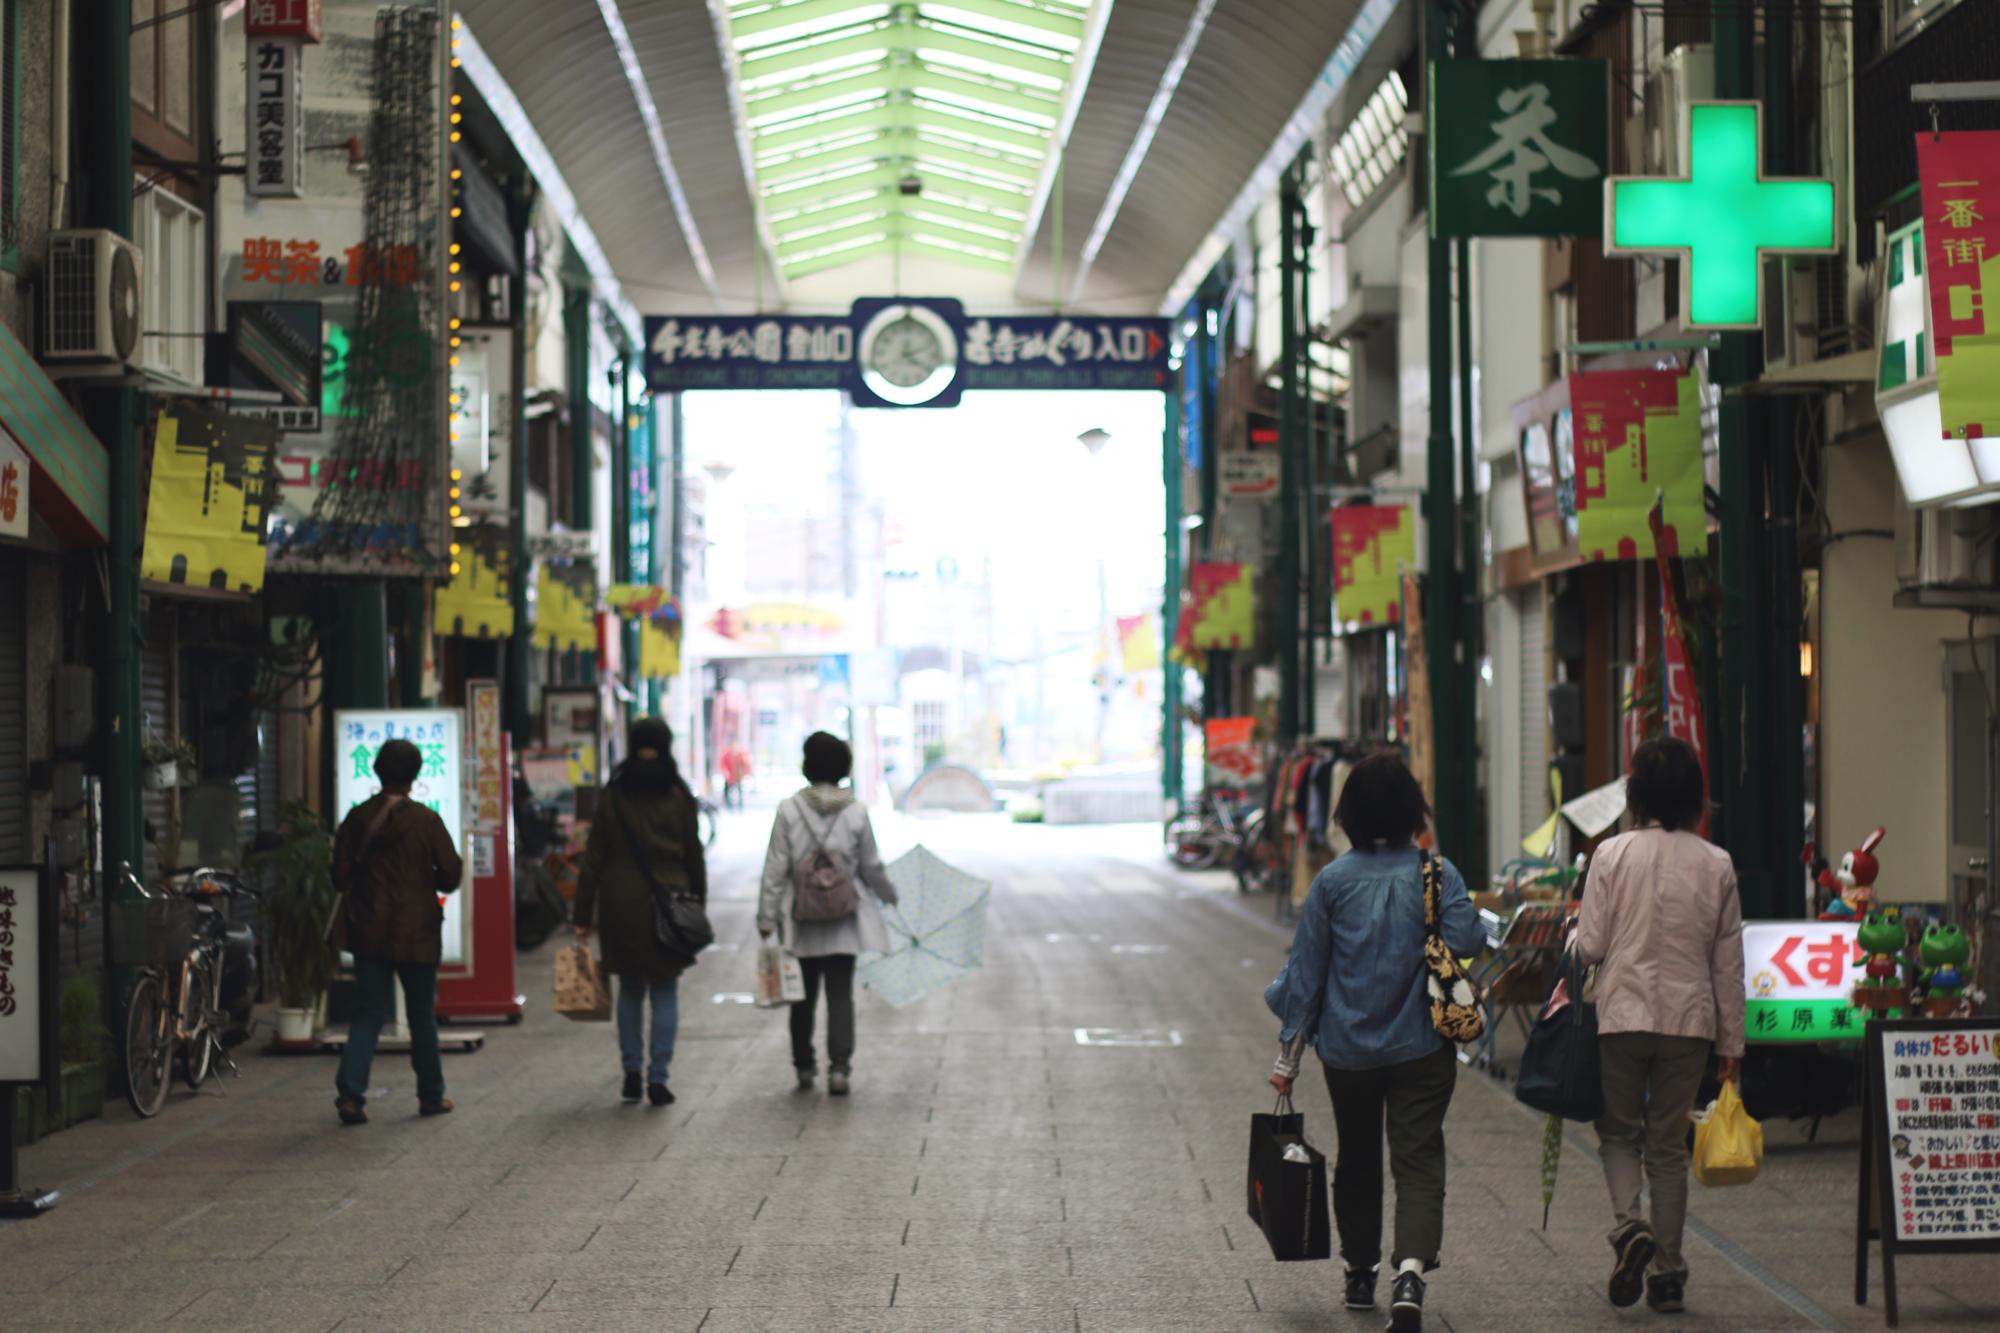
(825, 815)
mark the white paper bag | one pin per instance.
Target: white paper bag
(779, 979)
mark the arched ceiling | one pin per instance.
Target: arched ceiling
(1077, 151)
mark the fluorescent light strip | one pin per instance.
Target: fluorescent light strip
(621, 41)
(739, 123)
(1310, 113)
(1142, 143)
(507, 109)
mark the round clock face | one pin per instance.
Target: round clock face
(906, 352)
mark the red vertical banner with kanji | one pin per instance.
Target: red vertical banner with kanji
(1960, 174)
(1638, 442)
(1680, 681)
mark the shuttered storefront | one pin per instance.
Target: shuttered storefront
(14, 826)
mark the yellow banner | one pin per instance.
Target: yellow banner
(209, 498)
(1372, 546)
(659, 648)
(565, 613)
(1960, 175)
(476, 601)
(1138, 645)
(1638, 442)
(636, 599)
(1224, 613)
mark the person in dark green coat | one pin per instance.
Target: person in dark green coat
(645, 820)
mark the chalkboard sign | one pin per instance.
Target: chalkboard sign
(1930, 1144)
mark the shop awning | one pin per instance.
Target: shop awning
(72, 477)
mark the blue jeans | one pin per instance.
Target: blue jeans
(632, 994)
(374, 1008)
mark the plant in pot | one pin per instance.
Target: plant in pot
(168, 762)
(299, 897)
(83, 1041)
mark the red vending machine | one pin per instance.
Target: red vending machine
(482, 984)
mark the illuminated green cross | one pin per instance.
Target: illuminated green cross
(1722, 218)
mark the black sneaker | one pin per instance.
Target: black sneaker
(1406, 1307)
(1666, 1294)
(1361, 1288)
(632, 1091)
(659, 1096)
(1636, 1247)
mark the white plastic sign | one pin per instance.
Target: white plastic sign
(20, 977)
(437, 734)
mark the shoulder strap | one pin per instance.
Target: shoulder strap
(375, 827)
(1433, 895)
(819, 839)
(632, 842)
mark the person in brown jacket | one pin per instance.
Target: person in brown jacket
(392, 857)
(643, 834)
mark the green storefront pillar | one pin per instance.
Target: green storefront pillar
(520, 643)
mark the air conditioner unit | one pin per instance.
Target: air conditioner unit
(1686, 75)
(93, 298)
(1944, 551)
(1791, 312)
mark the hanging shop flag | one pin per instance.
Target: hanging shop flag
(1961, 189)
(1519, 147)
(660, 647)
(565, 606)
(1372, 544)
(640, 599)
(1223, 610)
(1230, 751)
(477, 600)
(207, 504)
(276, 132)
(1138, 645)
(1638, 439)
(1680, 684)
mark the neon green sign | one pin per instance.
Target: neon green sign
(1723, 218)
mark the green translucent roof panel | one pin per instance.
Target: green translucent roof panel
(921, 126)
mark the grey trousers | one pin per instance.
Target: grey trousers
(1411, 1098)
(1650, 1083)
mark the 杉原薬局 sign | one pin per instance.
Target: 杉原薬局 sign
(1798, 981)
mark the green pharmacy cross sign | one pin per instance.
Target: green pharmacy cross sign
(1723, 218)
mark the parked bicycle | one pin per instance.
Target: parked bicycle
(180, 1009)
(1200, 838)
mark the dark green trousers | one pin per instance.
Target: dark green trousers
(1412, 1097)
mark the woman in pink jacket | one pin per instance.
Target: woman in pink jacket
(1662, 922)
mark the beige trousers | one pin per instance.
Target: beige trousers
(1650, 1083)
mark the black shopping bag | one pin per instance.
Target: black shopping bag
(1287, 1187)
(1560, 1071)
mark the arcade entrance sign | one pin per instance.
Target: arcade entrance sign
(907, 352)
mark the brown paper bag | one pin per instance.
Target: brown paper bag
(580, 990)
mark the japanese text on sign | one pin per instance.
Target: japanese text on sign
(440, 783)
(286, 262)
(20, 978)
(1942, 1094)
(1798, 981)
(277, 120)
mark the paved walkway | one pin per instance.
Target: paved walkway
(989, 1173)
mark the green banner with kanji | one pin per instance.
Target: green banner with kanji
(1519, 147)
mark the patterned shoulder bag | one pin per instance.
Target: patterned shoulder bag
(1458, 1011)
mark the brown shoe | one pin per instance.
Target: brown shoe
(440, 1107)
(351, 1113)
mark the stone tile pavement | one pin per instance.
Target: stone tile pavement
(989, 1173)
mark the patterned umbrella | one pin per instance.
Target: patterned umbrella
(937, 929)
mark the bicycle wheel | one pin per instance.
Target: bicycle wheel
(198, 1056)
(147, 1046)
(1192, 843)
(704, 819)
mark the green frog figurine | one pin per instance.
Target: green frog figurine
(1880, 936)
(1945, 950)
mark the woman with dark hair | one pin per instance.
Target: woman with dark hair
(643, 834)
(825, 831)
(1662, 922)
(1355, 988)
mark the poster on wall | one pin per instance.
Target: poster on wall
(1960, 175)
(1638, 441)
(208, 502)
(1372, 546)
(440, 785)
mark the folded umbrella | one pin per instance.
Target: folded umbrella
(937, 929)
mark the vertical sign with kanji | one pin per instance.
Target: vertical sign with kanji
(1960, 174)
(1798, 981)
(276, 132)
(23, 1024)
(1638, 442)
(14, 470)
(1519, 147)
(436, 732)
(482, 698)
(284, 18)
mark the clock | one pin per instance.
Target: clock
(908, 354)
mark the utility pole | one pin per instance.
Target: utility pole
(1170, 601)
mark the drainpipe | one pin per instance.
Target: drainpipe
(1292, 479)
(59, 112)
(520, 642)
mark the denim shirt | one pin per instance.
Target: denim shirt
(1356, 971)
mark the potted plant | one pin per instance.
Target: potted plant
(82, 1040)
(167, 762)
(299, 897)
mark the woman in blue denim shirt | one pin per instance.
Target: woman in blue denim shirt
(1355, 989)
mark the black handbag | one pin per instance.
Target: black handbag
(1561, 1070)
(680, 918)
(1286, 1187)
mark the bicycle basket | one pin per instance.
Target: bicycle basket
(150, 932)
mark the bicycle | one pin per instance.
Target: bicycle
(1198, 839)
(178, 1010)
(706, 817)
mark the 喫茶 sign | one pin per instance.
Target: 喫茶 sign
(1519, 147)
(440, 784)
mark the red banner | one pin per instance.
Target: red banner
(1638, 442)
(1680, 681)
(1960, 174)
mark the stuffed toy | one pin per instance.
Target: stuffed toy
(1854, 883)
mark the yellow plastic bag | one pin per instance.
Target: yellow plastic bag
(1728, 1144)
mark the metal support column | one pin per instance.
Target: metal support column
(1292, 478)
(1788, 818)
(1171, 468)
(520, 645)
(580, 666)
(1443, 589)
(1470, 852)
(621, 531)
(104, 45)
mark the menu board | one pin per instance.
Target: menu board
(440, 783)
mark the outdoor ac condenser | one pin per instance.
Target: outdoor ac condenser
(93, 298)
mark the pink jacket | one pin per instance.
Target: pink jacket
(1661, 919)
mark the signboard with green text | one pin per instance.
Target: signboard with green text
(1519, 147)
(1798, 981)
